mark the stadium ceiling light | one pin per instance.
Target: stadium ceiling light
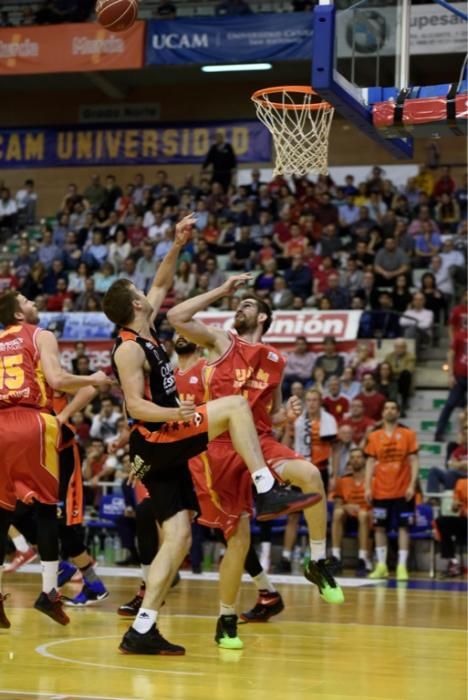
(235, 67)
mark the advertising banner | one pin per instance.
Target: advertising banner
(131, 145)
(433, 30)
(77, 325)
(69, 48)
(286, 326)
(271, 37)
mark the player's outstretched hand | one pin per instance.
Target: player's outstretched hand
(101, 380)
(236, 281)
(187, 409)
(183, 229)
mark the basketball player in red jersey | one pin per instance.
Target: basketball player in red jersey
(230, 517)
(70, 506)
(167, 432)
(29, 436)
(242, 364)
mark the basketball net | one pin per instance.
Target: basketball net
(299, 121)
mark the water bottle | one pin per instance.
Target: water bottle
(296, 560)
(108, 549)
(117, 549)
(96, 547)
(100, 551)
(208, 555)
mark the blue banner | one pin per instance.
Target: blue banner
(78, 325)
(272, 37)
(129, 145)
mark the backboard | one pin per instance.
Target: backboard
(362, 53)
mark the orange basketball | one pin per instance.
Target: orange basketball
(116, 15)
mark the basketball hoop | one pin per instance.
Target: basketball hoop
(299, 121)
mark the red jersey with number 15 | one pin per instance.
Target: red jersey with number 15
(189, 382)
(22, 381)
(253, 370)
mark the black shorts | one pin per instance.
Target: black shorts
(162, 466)
(392, 513)
(66, 463)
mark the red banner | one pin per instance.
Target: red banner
(69, 48)
(287, 325)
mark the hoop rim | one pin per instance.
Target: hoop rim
(258, 98)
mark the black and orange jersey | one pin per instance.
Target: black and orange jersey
(22, 381)
(392, 474)
(160, 385)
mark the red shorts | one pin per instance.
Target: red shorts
(29, 465)
(223, 483)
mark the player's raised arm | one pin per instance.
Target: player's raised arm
(58, 378)
(165, 274)
(182, 315)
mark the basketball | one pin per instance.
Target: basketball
(116, 15)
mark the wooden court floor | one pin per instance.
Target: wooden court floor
(382, 643)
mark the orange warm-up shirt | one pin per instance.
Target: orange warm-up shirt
(351, 490)
(392, 474)
(320, 450)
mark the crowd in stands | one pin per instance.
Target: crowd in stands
(397, 254)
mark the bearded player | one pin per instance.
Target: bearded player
(224, 515)
(241, 364)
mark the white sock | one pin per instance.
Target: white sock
(145, 568)
(263, 583)
(286, 554)
(381, 553)
(20, 544)
(402, 556)
(145, 619)
(263, 480)
(318, 549)
(49, 575)
(336, 552)
(363, 554)
(265, 549)
(226, 609)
